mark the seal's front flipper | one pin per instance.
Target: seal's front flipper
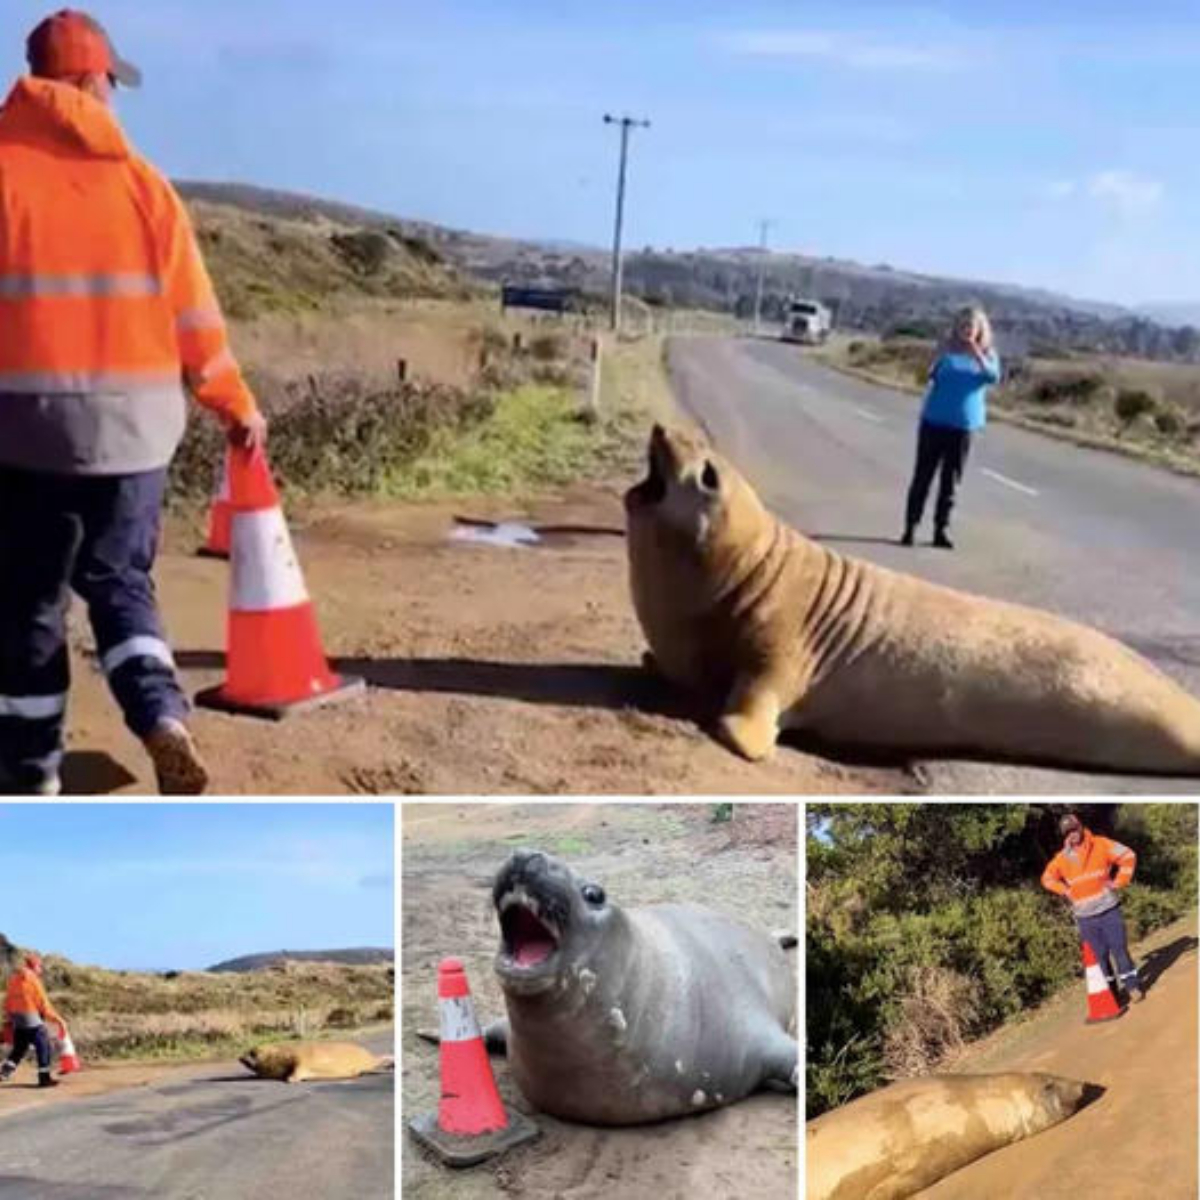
(781, 1063)
(495, 1037)
(750, 724)
(650, 664)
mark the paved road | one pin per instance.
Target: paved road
(1094, 536)
(215, 1134)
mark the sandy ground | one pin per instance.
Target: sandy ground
(491, 670)
(1140, 1138)
(641, 853)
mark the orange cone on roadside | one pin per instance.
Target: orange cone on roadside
(68, 1060)
(274, 660)
(220, 514)
(471, 1123)
(1101, 1003)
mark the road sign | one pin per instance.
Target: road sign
(546, 298)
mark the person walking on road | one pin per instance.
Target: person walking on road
(955, 407)
(26, 1011)
(108, 320)
(1089, 871)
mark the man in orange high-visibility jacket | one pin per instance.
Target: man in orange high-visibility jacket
(107, 321)
(27, 1009)
(1089, 871)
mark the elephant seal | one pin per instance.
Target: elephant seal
(780, 632)
(293, 1062)
(894, 1142)
(621, 1016)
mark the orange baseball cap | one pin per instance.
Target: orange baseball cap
(72, 43)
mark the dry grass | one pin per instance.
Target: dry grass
(1147, 410)
(938, 1015)
(125, 1014)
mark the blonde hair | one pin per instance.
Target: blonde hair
(975, 314)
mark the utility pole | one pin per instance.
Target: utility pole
(626, 124)
(763, 226)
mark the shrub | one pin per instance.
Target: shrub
(548, 347)
(1067, 389)
(1168, 422)
(1132, 403)
(366, 251)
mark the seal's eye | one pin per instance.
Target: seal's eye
(593, 893)
(709, 479)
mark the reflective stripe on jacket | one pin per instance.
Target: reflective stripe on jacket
(107, 313)
(27, 998)
(1085, 875)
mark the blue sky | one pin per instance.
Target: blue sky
(1049, 144)
(161, 886)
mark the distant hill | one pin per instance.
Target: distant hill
(362, 956)
(877, 299)
(1174, 313)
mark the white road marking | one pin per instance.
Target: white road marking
(868, 415)
(1012, 483)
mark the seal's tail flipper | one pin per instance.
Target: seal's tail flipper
(786, 939)
(386, 1063)
(781, 1063)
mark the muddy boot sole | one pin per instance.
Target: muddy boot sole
(178, 767)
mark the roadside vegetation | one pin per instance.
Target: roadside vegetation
(1138, 407)
(928, 927)
(182, 1015)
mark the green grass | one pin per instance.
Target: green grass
(534, 437)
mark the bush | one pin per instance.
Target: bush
(1132, 403)
(1068, 389)
(365, 251)
(548, 347)
(1168, 422)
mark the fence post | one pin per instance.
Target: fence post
(597, 356)
(402, 369)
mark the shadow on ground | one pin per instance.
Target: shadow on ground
(1159, 961)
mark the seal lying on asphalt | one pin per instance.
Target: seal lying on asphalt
(781, 632)
(293, 1062)
(619, 1016)
(894, 1142)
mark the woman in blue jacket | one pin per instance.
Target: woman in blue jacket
(955, 407)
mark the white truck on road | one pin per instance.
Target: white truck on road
(806, 321)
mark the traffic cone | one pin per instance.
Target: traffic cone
(220, 514)
(1101, 1003)
(471, 1123)
(68, 1060)
(274, 660)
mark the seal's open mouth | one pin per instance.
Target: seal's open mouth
(530, 939)
(653, 489)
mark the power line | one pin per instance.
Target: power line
(626, 124)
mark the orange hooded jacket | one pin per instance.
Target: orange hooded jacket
(26, 996)
(106, 309)
(1085, 875)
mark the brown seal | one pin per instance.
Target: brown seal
(777, 631)
(892, 1143)
(293, 1062)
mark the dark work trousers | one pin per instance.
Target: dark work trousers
(1105, 934)
(39, 1039)
(943, 449)
(96, 535)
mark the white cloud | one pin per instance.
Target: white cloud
(1125, 191)
(843, 49)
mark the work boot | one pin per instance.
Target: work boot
(7, 1071)
(909, 534)
(178, 767)
(46, 1080)
(1136, 995)
(941, 539)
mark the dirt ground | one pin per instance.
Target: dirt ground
(641, 853)
(491, 669)
(1140, 1138)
